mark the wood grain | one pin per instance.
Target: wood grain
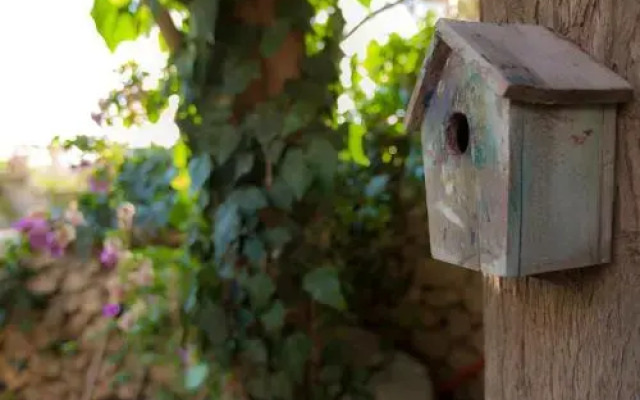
(529, 63)
(576, 334)
(561, 187)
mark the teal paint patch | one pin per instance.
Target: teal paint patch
(485, 151)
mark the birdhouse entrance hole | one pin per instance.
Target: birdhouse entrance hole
(458, 133)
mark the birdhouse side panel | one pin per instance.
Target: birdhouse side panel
(567, 184)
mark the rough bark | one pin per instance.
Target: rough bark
(576, 335)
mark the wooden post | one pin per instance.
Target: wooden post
(576, 335)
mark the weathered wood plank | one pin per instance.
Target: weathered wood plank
(428, 79)
(561, 187)
(450, 177)
(532, 64)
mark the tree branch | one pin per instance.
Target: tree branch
(372, 15)
(168, 30)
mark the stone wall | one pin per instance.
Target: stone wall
(67, 351)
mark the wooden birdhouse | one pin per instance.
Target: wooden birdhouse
(518, 137)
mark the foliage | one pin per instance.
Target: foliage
(275, 236)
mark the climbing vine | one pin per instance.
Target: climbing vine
(257, 83)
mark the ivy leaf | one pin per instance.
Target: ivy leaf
(227, 227)
(274, 37)
(273, 319)
(254, 250)
(195, 376)
(281, 386)
(213, 321)
(366, 3)
(299, 115)
(238, 74)
(274, 150)
(225, 143)
(258, 385)
(281, 194)
(248, 199)
(265, 123)
(323, 158)
(295, 172)
(255, 351)
(199, 170)
(277, 237)
(260, 288)
(324, 287)
(295, 353)
(244, 164)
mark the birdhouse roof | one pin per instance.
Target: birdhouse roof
(527, 63)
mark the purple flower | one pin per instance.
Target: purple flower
(27, 224)
(38, 237)
(111, 310)
(184, 355)
(56, 249)
(109, 256)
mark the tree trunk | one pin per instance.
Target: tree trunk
(576, 335)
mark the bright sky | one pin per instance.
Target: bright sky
(55, 68)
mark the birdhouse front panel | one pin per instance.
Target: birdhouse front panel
(466, 156)
(518, 133)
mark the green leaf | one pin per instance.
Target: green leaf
(199, 170)
(281, 386)
(323, 159)
(265, 123)
(226, 141)
(295, 353)
(180, 155)
(281, 194)
(254, 250)
(195, 376)
(260, 288)
(295, 172)
(274, 150)
(212, 320)
(227, 227)
(244, 164)
(299, 116)
(366, 3)
(116, 24)
(248, 199)
(324, 287)
(277, 237)
(273, 319)
(238, 74)
(258, 385)
(273, 37)
(255, 351)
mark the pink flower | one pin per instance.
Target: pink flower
(111, 310)
(109, 256)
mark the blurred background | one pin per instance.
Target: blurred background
(87, 136)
